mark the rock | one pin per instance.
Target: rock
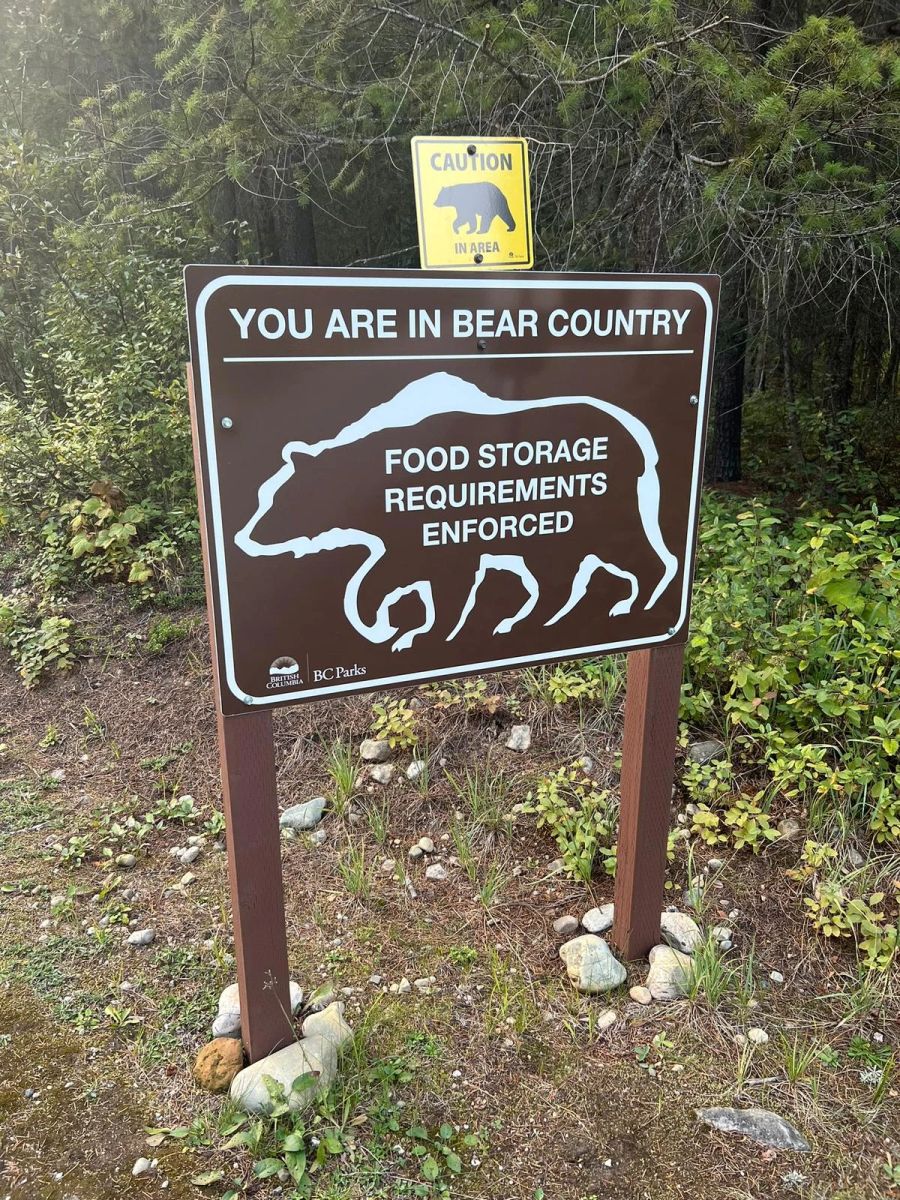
(329, 1024)
(375, 750)
(230, 1003)
(789, 829)
(761, 1126)
(321, 997)
(141, 937)
(416, 770)
(708, 751)
(217, 1063)
(141, 1167)
(314, 1055)
(403, 987)
(854, 857)
(641, 995)
(191, 854)
(721, 933)
(519, 738)
(227, 1026)
(590, 964)
(383, 773)
(598, 920)
(436, 871)
(565, 926)
(426, 845)
(757, 1036)
(606, 1020)
(415, 852)
(726, 944)
(301, 817)
(670, 973)
(187, 879)
(715, 864)
(318, 837)
(125, 860)
(776, 977)
(681, 932)
(389, 865)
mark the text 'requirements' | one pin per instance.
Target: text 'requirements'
(546, 487)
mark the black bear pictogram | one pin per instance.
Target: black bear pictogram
(473, 201)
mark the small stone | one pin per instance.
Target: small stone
(606, 1020)
(383, 773)
(761, 1126)
(590, 964)
(404, 987)
(125, 860)
(726, 944)
(187, 879)
(789, 829)
(217, 1063)
(47, 923)
(436, 871)
(320, 997)
(375, 750)
(318, 837)
(598, 920)
(230, 1004)
(141, 1167)
(715, 864)
(416, 770)
(707, 751)
(329, 1024)
(776, 977)
(415, 852)
(721, 933)
(313, 1055)
(854, 857)
(305, 816)
(757, 1036)
(375, 980)
(670, 973)
(227, 1026)
(389, 865)
(426, 845)
(519, 738)
(640, 994)
(191, 854)
(566, 926)
(141, 937)
(681, 932)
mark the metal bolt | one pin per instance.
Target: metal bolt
(482, 345)
(671, 631)
(479, 259)
(470, 149)
(227, 422)
(695, 400)
(248, 699)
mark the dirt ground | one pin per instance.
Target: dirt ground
(502, 1047)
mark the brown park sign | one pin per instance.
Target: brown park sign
(410, 476)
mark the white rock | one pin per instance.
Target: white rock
(776, 977)
(599, 920)
(329, 1024)
(715, 864)
(189, 855)
(141, 1167)
(565, 926)
(415, 852)
(187, 879)
(519, 738)
(681, 932)
(382, 773)
(426, 845)
(227, 1025)
(606, 1020)
(436, 871)
(314, 1055)
(590, 964)
(126, 860)
(301, 817)
(388, 865)
(416, 770)
(404, 986)
(708, 751)
(141, 937)
(757, 1036)
(375, 750)
(721, 933)
(670, 973)
(640, 994)
(230, 1001)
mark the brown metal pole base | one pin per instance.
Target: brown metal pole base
(648, 768)
(247, 754)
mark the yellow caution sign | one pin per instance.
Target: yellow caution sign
(473, 202)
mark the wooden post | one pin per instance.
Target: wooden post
(648, 768)
(247, 754)
(250, 798)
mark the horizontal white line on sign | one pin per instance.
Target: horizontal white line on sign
(444, 357)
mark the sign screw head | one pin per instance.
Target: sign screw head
(248, 699)
(695, 399)
(479, 258)
(227, 422)
(470, 149)
(671, 632)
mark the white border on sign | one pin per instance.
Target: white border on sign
(419, 281)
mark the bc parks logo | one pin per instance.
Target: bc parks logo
(284, 672)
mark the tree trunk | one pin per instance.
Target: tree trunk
(728, 407)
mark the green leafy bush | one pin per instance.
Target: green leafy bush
(36, 640)
(581, 817)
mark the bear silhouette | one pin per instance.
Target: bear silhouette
(474, 200)
(288, 519)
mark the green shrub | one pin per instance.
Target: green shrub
(36, 640)
(581, 817)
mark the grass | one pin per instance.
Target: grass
(342, 766)
(484, 794)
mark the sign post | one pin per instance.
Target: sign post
(407, 477)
